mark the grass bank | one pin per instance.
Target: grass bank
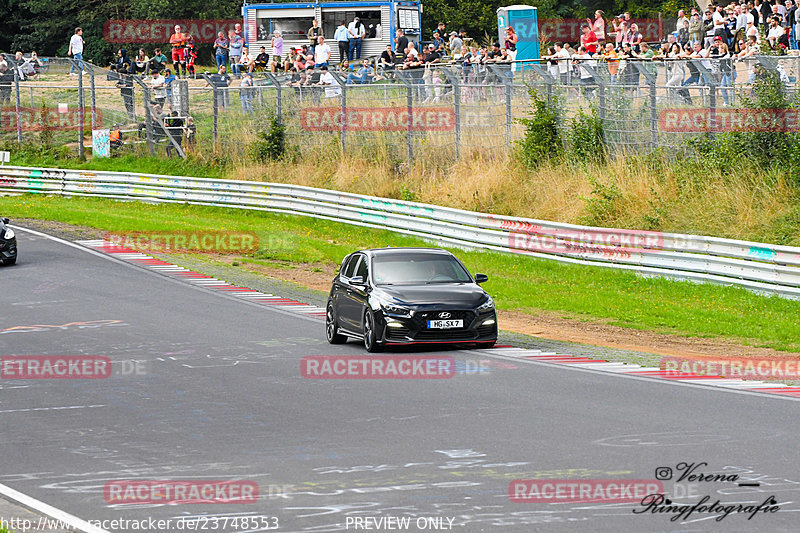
(525, 284)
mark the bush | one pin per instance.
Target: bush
(586, 137)
(271, 143)
(541, 141)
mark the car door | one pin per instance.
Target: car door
(339, 289)
(347, 304)
(360, 293)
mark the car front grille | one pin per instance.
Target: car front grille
(421, 319)
(397, 333)
(445, 334)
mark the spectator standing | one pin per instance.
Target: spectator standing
(683, 34)
(563, 57)
(612, 60)
(313, 34)
(221, 46)
(788, 22)
(76, 51)
(342, 38)
(356, 34)
(322, 52)
(277, 48)
(220, 82)
(401, 43)
(190, 134)
(681, 19)
(191, 56)
(438, 42)
(511, 41)
(634, 38)
(246, 93)
(159, 88)
(766, 12)
(235, 54)
(588, 39)
(598, 26)
(455, 44)
(178, 42)
(169, 77)
(582, 59)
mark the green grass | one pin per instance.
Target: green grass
(593, 293)
(192, 166)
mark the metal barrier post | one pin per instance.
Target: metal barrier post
(215, 106)
(148, 119)
(456, 108)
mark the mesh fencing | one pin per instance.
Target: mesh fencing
(442, 111)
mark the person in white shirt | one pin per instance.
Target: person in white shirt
(159, 87)
(356, 34)
(681, 18)
(562, 55)
(332, 88)
(76, 51)
(322, 52)
(582, 59)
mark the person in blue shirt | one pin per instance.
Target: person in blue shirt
(342, 38)
(438, 42)
(169, 77)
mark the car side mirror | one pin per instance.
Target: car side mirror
(358, 281)
(481, 278)
(6, 221)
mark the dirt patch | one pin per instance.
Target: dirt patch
(62, 230)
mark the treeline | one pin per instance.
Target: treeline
(46, 25)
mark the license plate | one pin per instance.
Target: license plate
(445, 324)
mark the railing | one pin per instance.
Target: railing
(761, 267)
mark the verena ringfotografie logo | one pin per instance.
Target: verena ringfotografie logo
(386, 367)
(582, 490)
(217, 242)
(729, 119)
(733, 367)
(378, 119)
(180, 491)
(55, 367)
(613, 244)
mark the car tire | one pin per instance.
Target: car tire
(331, 329)
(370, 335)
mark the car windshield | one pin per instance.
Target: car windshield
(396, 269)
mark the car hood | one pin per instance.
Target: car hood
(434, 295)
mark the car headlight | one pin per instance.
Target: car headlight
(9, 234)
(395, 310)
(488, 305)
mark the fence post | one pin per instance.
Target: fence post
(214, 105)
(409, 113)
(90, 68)
(17, 103)
(81, 111)
(653, 115)
(343, 87)
(278, 97)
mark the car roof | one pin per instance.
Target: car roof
(401, 251)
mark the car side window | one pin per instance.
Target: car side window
(363, 269)
(350, 266)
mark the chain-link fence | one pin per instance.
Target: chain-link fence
(440, 111)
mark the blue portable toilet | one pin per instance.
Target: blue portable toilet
(526, 25)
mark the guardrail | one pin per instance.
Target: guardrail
(761, 267)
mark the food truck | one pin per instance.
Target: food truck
(381, 19)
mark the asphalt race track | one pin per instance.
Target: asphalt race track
(208, 387)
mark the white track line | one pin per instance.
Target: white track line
(32, 503)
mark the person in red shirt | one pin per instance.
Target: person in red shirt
(589, 40)
(178, 42)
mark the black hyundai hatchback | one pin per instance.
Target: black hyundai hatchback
(8, 244)
(400, 296)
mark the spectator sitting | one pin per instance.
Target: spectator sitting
(387, 59)
(364, 74)
(245, 60)
(344, 66)
(140, 62)
(158, 62)
(115, 138)
(190, 133)
(122, 64)
(300, 78)
(24, 66)
(261, 62)
(326, 79)
(310, 62)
